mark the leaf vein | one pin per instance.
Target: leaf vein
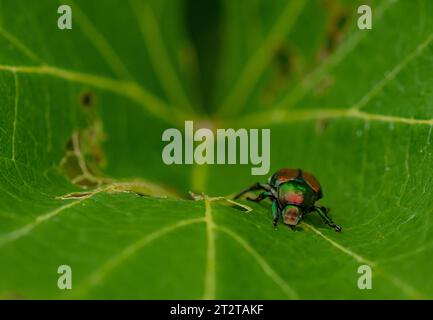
(103, 271)
(394, 73)
(159, 55)
(267, 269)
(312, 79)
(210, 275)
(19, 45)
(290, 116)
(127, 89)
(398, 283)
(260, 59)
(14, 124)
(98, 40)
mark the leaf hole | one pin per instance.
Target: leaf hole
(87, 99)
(283, 60)
(337, 27)
(84, 159)
(76, 195)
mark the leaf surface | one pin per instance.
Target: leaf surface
(82, 182)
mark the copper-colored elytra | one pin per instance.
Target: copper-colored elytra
(285, 175)
(311, 180)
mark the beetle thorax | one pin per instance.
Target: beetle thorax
(296, 193)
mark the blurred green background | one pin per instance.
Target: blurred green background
(82, 181)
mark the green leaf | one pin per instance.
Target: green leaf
(82, 182)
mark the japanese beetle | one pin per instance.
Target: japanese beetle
(293, 193)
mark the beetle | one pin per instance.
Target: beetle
(294, 193)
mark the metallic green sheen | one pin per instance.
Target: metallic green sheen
(291, 190)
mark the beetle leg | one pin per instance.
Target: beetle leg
(275, 212)
(254, 187)
(260, 197)
(323, 213)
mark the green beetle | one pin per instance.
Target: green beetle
(293, 193)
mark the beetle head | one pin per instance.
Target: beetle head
(292, 215)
